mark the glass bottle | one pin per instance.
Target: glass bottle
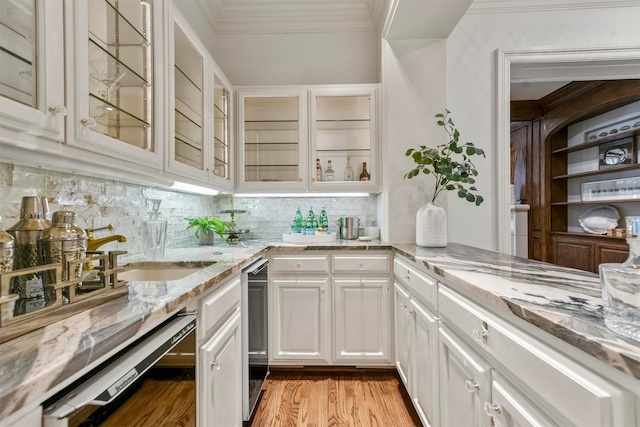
(328, 174)
(621, 287)
(348, 171)
(365, 176)
(299, 220)
(154, 232)
(318, 171)
(324, 221)
(309, 225)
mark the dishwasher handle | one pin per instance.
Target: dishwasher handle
(257, 266)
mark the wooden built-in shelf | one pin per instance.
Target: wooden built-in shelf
(598, 141)
(595, 236)
(599, 171)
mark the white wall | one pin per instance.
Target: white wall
(466, 84)
(290, 59)
(414, 91)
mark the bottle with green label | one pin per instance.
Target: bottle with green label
(324, 221)
(299, 221)
(294, 227)
(311, 218)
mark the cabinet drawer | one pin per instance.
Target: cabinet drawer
(299, 264)
(422, 286)
(578, 394)
(216, 308)
(361, 263)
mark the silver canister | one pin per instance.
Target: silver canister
(7, 243)
(61, 243)
(349, 227)
(34, 213)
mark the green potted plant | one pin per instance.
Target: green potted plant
(205, 227)
(453, 169)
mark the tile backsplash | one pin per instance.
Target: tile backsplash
(99, 202)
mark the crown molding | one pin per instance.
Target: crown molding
(505, 6)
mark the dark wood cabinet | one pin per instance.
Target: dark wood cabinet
(552, 178)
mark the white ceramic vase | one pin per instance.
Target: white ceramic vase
(431, 226)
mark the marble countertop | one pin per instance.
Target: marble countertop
(563, 302)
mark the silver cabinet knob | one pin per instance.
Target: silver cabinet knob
(483, 334)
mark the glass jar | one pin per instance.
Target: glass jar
(621, 287)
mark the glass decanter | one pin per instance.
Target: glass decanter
(154, 232)
(621, 287)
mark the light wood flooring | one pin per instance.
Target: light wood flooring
(323, 398)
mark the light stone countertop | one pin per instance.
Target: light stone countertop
(564, 302)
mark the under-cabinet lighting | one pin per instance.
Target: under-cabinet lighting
(183, 186)
(301, 195)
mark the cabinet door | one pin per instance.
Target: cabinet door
(222, 107)
(509, 408)
(465, 384)
(361, 316)
(32, 72)
(344, 138)
(188, 66)
(403, 324)
(425, 363)
(220, 403)
(272, 138)
(300, 319)
(114, 78)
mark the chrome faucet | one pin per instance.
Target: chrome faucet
(93, 244)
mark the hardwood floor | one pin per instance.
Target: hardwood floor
(330, 397)
(172, 397)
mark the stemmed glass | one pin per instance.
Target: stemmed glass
(109, 72)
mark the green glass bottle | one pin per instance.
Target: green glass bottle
(299, 221)
(324, 220)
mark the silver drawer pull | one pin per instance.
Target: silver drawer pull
(471, 386)
(483, 335)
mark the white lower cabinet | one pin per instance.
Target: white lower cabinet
(330, 309)
(221, 371)
(416, 358)
(219, 356)
(300, 319)
(361, 319)
(465, 384)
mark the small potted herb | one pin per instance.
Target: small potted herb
(205, 227)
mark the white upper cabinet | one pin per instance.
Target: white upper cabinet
(114, 78)
(272, 140)
(344, 138)
(32, 100)
(312, 138)
(198, 109)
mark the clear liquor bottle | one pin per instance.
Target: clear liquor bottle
(348, 171)
(328, 174)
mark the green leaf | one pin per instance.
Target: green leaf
(479, 200)
(471, 197)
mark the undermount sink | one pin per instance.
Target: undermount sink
(155, 273)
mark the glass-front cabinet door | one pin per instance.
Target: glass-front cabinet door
(273, 140)
(221, 130)
(187, 153)
(113, 77)
(344, 138)
(31, 70)
(199, 110)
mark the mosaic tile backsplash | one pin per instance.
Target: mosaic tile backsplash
(99, 202)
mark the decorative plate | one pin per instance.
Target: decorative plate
(598, 219)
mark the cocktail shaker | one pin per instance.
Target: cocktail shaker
(7, 243)
(34, 213)
(61, 243)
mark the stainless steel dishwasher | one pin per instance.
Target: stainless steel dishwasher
(255, 366)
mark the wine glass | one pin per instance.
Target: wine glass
(109, 72)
